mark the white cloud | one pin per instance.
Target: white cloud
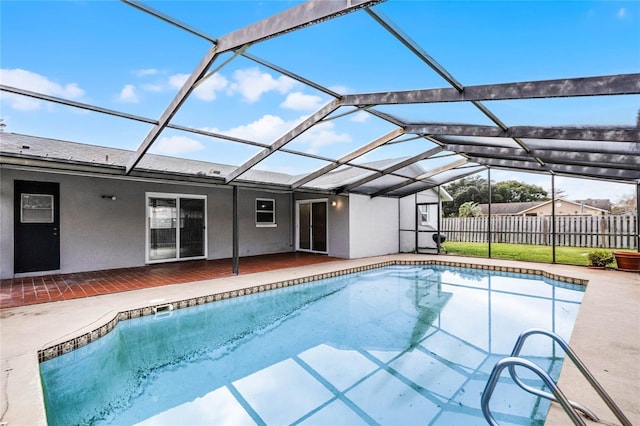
(622, 12)
(360, 117)
(178, 80)
(270, 127)
(339, 89)
(128, 94)
(252, 84)
(322, 135)
(206, 90)
(301, 102)
(145, 72)
(177, 145)
(37, 83)
(152, 87)
(265, 130)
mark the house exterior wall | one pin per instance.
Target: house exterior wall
(255, 240)
(337, 223)
(339, 227)
(97, 233)
(408, 221)
(563, 208)
(373, 226)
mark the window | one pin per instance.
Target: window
(36, 208)
(265, 212)
(423, 213)
(176, 227)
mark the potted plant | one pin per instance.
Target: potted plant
(627, 261)
(600, 258)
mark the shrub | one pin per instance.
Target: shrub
(601, 257)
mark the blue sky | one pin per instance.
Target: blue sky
(112, 55)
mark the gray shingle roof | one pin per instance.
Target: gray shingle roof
(58, 151)
(509, 208)
(73, 152)
(519, 208)
(598, 203)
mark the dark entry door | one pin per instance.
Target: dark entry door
(36, 226)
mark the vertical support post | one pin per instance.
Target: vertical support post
(553, 218)
(439, 222)
(415, 225)
(236, 260)
(399, 226)
(489, 236)
(638, 217)
(292, 228)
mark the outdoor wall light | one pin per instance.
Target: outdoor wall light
(334, 203)
(110, 197)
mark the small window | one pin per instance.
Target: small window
(36, 208)
(265, 212)
(423, 213)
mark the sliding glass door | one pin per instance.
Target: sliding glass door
(176, 227)
(312, 226)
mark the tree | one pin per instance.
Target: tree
(512, 191)
(469, 209)
(627, 205)
(476, 190)
(473, 189)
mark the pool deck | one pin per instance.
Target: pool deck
(606, 335)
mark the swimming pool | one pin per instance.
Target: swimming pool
(394, 345)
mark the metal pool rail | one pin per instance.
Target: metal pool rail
(569, 407)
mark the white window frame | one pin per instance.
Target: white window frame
(297, 231)
(423, 214)
(177, 197)
(271, 224)
(51, 209)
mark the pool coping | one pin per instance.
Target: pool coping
(74, 343)
(68, 324)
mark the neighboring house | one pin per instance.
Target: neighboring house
(598, 203)
(544, 208)
(68, 207)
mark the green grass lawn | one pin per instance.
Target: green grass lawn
(530, 253)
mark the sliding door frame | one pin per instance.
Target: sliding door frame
(177, 197)
(299, 203)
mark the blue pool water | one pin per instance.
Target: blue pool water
(400, 345)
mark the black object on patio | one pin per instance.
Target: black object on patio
(439, 239)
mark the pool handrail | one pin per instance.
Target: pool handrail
(512, 361)
(581, 367)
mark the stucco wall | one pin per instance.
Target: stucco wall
(339, 227)
(407, 224)
(337, 223)
(97, 233)
(6, 225)
(373, 229)
(408, 221)
(564, 208)
(255, 240)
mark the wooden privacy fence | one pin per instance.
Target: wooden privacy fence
(609, 231)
